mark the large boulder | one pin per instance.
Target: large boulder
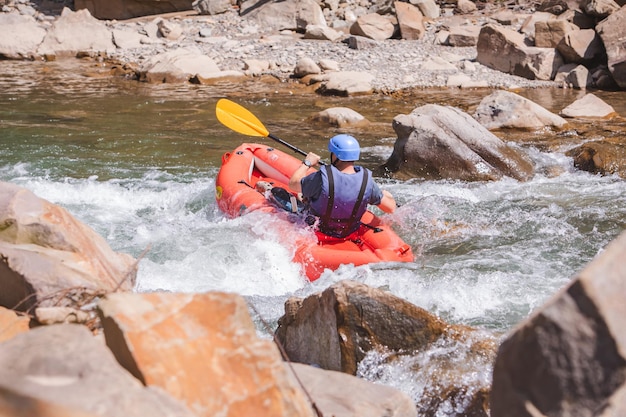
(45, 253)
(176, 66)
(20, 36)
(285, 14)
(410, 21)
(349, 321)
(126, 9)
(65, 364)
(443, 142)
(569, 357)
(75, 33)
(373, 26)
(204, 350)
(505, 50)
(334, 329)
(612, 31)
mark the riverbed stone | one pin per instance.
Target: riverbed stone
(178, 65)
(373, 26)
(569, 356)
(359, 398)
(338, 328)
(341, 117)
(410, 21)
(505, 109)
(589, 106)
(444, 142)
(605, 157)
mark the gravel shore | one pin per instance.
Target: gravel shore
(395, 64)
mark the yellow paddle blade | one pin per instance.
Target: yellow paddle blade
(239, 119)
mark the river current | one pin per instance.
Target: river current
(137, 163)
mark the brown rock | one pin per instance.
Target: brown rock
(334, 329)
(202, 349)
(410, 21)
(66, 365)
(568, 358)
(443, 142)
(612, 30)
(126, 9)
(604, 157)
(11, 324)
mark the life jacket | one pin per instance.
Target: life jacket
(343, 200)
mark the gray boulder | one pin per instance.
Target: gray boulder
(443, 142)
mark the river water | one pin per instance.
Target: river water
(137, 163)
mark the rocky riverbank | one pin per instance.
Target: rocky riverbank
(242, 46)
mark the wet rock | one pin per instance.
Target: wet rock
(604, 157)
(349, 323)
(47, 257)
(589, 106)
(340, 117)
(568, 357)
(443, 142)
(336, 328)
(504, 109)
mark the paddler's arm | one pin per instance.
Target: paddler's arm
(388, 203)
(311, 160)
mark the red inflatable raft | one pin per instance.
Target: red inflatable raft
(240, 188)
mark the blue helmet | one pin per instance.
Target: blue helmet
(345, 147)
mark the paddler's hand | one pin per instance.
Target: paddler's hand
(312, 159)
(301, 172)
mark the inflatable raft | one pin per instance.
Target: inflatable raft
(256, 177)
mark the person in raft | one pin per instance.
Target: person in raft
(339, 193)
